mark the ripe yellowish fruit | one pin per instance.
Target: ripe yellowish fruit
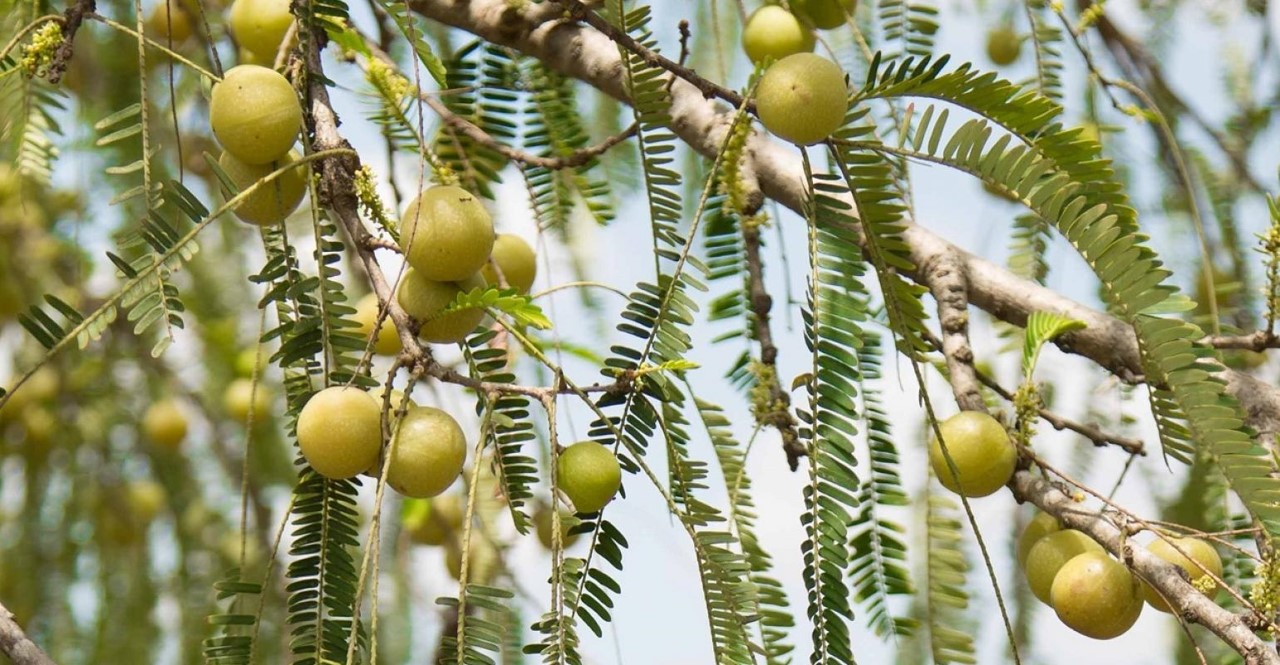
(168, 21)
(433, 521)
(428, 453)
(165, 425)
(146, 499)
(446, 233)
(426, 299)
(387, 342)
(255, 114)
(825, 14)
(802, 98)
(482, 562)
(1040, 526)
(241, 395)
(542, 524)
(42, 386)
(249, 363)
(1003, 45)
(39, 424)
(260, 25)
(1096, 596)
(589, 475)
(272, 201)
(981, 449)
(1193, 555)
(340, 431)
(1047, 557)
(516, 260)
(773, 33)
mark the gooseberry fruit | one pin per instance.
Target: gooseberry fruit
(1047, 557)
(1096, 596)
(340, 431)
(1040, 526)
(1003, 45)
(981, 449)
(773, 33)
(446, 233)
(255, 114)
(164, 424)
(431, 522)
(516, 260)
(146, 499)
(824, 14)
(260, 25)
(428, 453)
(802, 98)
(249, 363)
(169, 21)
(1195, 556)
(272, 201)
(387, 342)
(543, 525)
(482, 561)
(589, 475)
(241, 395)
(425, 299)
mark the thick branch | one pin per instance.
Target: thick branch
(1166, 578)
(586, 54)
(16, 645)
(946, 281)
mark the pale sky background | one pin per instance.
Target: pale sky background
(659, 615)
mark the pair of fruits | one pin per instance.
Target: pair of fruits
(256, 117)
(981, 450)
(1092, 593)
(340, 436)
(773, 33)
(451, 248)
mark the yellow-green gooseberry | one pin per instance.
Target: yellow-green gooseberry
(983, 454)
(426, 300)
(255, 114)
(773, 33)
(340, 431)
(802, 98)
(589, 474)
(272, 201)
(387, 343)
(427, 454)
(446, 233)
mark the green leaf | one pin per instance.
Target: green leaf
(1042, 328)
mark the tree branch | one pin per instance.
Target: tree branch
(775, 411)
(16, 645)
(75, 15)
(589, 55)
(574, 160)
(1236, 630)
(946, 281)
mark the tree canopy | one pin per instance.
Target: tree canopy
(313, 307)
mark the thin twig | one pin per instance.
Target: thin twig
(777, 410)
(576, 159)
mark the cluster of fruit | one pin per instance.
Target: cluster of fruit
(802, 97)
(259, 26)
(1094, 594)
(450, 246)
